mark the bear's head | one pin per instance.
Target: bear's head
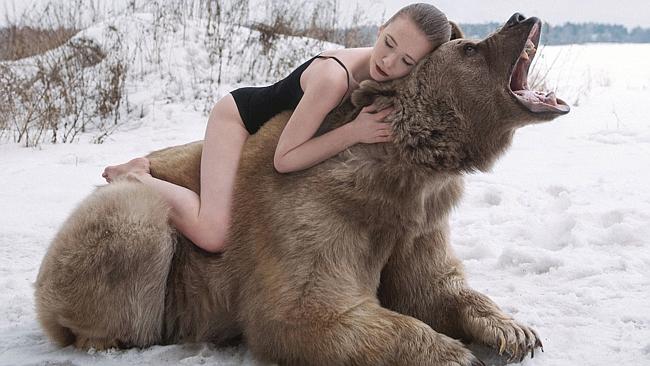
(459, 108)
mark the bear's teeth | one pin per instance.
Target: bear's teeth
(530, 47)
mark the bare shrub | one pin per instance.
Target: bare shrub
(6, 103)
(70, 85)
(222, 21)
(355, 35)
(63, 93)
(319, 20)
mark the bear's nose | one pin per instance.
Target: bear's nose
(515, 19)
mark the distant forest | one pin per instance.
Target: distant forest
(570, 33)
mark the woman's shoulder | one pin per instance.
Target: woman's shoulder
(325, 75)
(335, 66)
(352, 60)
(347, 54)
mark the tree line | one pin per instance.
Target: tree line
(571, 33)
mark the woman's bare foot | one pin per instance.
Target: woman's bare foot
(136, 166)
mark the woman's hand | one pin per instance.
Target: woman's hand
(369, 126)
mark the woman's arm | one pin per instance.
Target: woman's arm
(297, 149)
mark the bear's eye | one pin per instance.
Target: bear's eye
(470, 50)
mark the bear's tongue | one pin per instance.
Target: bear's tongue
(537, 96)
(537, 101)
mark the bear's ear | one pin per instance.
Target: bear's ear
(456, 32)
(370, 92)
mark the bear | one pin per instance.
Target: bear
(345, 263)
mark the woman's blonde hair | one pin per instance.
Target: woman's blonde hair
(429, 19)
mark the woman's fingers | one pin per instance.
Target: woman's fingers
(384, 134)
(373, 108)
(383, 128)
(379, 116)
(382, 125)
(369, 109)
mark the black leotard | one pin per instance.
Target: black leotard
(259, 104)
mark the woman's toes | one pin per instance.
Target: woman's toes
(134, 166)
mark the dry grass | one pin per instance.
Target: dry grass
(54, 96)
(60, 86)
(314, 19)
(24, 41)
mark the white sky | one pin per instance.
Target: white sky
(630, 13)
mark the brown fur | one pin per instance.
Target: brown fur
(346, 263)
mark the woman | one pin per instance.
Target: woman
(312, 90)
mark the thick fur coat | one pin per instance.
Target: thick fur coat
(346, 263)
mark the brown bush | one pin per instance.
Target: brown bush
(24, 41)
(79, 85)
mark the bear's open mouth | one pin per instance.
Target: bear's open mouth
(534, 100)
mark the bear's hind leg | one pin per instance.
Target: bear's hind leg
(103, 280)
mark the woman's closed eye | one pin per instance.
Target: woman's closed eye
(406, 62)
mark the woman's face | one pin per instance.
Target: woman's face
(400, 45)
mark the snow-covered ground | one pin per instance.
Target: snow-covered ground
(557, 234)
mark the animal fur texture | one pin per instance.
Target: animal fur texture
(345, 263)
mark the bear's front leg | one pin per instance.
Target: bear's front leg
(311, 310)
(425, 280)
(482, 319)
(364, 334)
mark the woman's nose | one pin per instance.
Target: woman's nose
(389, 60)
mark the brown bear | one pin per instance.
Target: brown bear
(346, 263)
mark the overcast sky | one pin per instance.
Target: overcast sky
(630, 13)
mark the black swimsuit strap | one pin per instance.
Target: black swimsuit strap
(346, 73)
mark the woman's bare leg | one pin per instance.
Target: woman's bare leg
(203, 219)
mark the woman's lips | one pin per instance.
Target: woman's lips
(381, 72)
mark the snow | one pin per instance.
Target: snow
(556, 234)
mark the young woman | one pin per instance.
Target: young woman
(312, 90)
